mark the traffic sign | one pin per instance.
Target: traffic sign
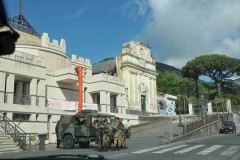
(169, 109)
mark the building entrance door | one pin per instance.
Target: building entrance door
(143, 103)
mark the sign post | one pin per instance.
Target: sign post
(170, 112)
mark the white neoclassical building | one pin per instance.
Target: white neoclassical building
(136, 66)
(39, 83)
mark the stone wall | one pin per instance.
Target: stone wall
(145, 125)
(207, 130)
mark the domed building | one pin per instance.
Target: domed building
(39, 82)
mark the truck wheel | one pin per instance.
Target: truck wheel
(84, 144)
(68, 142)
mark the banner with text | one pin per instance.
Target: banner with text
(69, 105)
(62, 105)
(90, 106)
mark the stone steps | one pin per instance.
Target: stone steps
(6, 144)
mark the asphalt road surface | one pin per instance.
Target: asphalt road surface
(149, 145)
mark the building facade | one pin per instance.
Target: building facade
(136, 65)
(39, 83)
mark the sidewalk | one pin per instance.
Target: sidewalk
(51, 146)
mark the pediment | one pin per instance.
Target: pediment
(138, 49)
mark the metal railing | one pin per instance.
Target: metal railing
(17, 134)
(113, 109)
(141, 113)
(22, 99)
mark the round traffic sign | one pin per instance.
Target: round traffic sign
(169, 109)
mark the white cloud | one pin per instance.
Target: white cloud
(179, 30)
(76, 14)
(136, 8)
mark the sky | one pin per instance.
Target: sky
(177, 30)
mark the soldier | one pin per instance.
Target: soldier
(117, 127)
(106, 138)
(99, 128)
(123, 140)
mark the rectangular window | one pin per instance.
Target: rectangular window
(21, 117)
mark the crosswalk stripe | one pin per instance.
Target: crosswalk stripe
(188, 149)
(210, 149)
(170, 149)
(149, 149)
(230, 151)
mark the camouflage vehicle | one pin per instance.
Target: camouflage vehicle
(80, 129)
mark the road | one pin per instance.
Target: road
(149, 145)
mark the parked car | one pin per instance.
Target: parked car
(228, 126)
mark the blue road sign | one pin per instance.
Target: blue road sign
(169, 109)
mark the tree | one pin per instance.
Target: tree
(193, 70)
(173, 83)
(217, 67)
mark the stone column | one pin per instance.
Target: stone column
(155, 95)
(10, 88)
(150, 93)
(130, 90)
(10, 115)
(108, 102)
(32, 117)
(209, 108)
(229, 106)
(33, 91)
(137, 90)
(103, 101)
(133, 88)
(119, 103)
(190, 108)
(41, 93)
(2, 86)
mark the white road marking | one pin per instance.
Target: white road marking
(149, 149)
(188, 149)
(170, 149)
(230, 151)
(210, 149)
(119, 155)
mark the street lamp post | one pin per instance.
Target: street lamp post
(180, 120)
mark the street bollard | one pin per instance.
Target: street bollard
(42, 138)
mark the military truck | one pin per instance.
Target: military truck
(80, 129)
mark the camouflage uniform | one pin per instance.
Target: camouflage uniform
(123, 142)
(118, 127)
(98, 126)
(106, 138)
